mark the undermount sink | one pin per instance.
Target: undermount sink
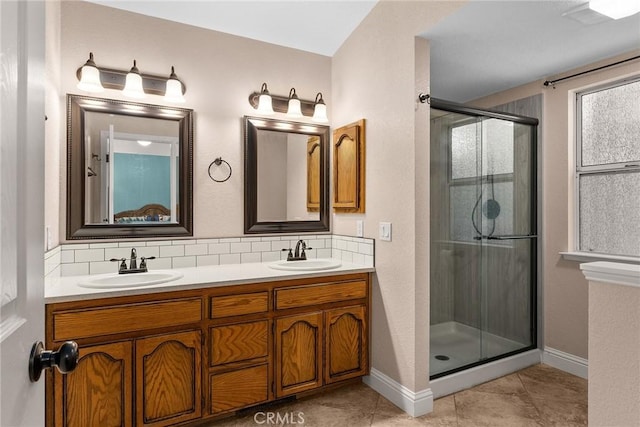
(114, 281)
(306, 265)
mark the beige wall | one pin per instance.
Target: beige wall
(377, 74)
(614, 345)
(219, 71)
(54, 126)
(565, 290)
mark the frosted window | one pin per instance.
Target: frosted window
(463, 200)
(611, 125)
(464, 141)
(610, 213)
(497, 149)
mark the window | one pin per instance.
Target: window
(481, 179)
(608, 169)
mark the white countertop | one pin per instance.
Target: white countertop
(60, 289)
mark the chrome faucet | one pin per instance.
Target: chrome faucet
(298, 254)
(133, 263)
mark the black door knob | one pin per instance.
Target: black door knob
(65, 359)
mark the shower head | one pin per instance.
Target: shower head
(491, 208)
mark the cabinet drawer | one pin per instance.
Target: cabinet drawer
(302, 296)
(237, 389)
(93, 322)
(235, 343)
(237, 305)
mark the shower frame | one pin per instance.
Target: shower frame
(443, 105)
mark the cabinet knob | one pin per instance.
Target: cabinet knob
(65, 359)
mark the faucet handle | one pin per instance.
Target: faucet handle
(289, 255)
(303, 255)
(122, 261)
(143, 262)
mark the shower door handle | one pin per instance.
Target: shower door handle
(512, 237)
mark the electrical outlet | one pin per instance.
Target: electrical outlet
(360, 228)
(385, 231)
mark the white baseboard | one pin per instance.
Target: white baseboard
(414, 404)
(566, 362)
(481, 374)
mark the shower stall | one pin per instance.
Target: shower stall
(483, 236)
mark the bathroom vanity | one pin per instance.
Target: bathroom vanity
(194, 351)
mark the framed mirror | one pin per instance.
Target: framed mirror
(129, 169)
(286, 176)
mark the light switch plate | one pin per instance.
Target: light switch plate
(385, 231)
(359, 228)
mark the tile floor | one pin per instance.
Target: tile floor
(536, 396)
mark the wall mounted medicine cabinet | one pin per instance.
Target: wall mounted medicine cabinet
(349, 168)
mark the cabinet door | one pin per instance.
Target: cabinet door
(168, 379)
(298, 353)
(98, 392)
(346, 341)
(348, 168)
(313, 174)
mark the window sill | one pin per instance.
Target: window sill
(593, 257)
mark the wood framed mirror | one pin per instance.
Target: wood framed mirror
(286, 173)
(129, 169)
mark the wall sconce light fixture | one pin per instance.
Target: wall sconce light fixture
(132, 83)
(294, 107)
(320, 110)
(265, 103)
(90, 77)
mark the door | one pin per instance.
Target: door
(168, 379)
(99, 392)
(506, 217)
(346, 343)
(298, 353)
(21, 208)
(483, 242)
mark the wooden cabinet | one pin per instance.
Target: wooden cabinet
(99, 393)
(346, 343)
(313, 174)
(298, 353)
(168, 377)
(349, 168)
(321, 347)
(184, 356)
(239, 361)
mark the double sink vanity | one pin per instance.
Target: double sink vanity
(180, 346)
(185, 345)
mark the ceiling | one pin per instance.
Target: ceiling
(489, 46)
(483, 48)
(318, 26)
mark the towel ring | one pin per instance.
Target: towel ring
(218, 161)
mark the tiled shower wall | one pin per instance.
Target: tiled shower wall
(94, 258)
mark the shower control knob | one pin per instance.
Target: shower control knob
(65, 359)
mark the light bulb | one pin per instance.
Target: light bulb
(90, 77)
(173, 93)
(133, 84)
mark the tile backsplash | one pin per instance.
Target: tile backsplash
(94, 258)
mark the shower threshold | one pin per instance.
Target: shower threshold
(455, 345)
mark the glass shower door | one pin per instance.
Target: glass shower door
(507, 237)
(482, 244)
